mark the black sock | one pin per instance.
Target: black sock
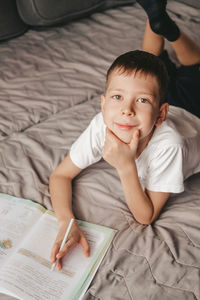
(159, 20)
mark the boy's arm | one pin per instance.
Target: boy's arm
(144, 205)
(60, 185)
(61, 189)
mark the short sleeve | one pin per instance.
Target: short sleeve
(165, 170)
(87, 149)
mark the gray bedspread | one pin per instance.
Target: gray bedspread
(50, 86)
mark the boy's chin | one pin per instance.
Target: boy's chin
(123, 138)
(126, 140)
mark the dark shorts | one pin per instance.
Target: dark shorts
(184, 85)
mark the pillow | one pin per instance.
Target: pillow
(51, 12)
(11, 24)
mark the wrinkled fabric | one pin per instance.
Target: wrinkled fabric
(50, 87)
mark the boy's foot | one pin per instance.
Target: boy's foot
(159, 20)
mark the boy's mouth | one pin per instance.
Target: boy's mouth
(125, 126)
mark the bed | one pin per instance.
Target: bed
(50, 86)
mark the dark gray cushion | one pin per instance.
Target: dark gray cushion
(52, 12)
(11, 24)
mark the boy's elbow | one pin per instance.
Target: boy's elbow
(145, 220)
(146, 216)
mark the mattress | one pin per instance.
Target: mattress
(51, 82)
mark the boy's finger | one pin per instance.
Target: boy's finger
(85, 245)
(68, 245)
(135, 140)
(59, 264)
(54, 251)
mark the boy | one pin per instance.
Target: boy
(152, 155)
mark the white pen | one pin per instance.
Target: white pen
(63, 242)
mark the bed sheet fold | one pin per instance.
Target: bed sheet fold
(51, 82)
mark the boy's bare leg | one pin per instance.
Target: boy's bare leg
(152, 42)
(161, 25)
(187, 51)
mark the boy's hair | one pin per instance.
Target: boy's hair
(144, 62)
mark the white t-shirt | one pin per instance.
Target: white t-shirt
(171, 156)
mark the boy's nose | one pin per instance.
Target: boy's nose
(127, 112)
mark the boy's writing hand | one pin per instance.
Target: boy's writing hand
(117, 153)
(76, 236)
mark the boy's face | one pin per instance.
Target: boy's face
(132, 102)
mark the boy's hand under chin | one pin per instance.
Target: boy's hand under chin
(117, 153)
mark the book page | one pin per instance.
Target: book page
(28, 274)
(17, 217)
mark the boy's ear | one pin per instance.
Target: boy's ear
(102, 102)
(162, 114)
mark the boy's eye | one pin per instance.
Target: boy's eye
(117, 97)
(142, 100)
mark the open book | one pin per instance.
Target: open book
(27, 234)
